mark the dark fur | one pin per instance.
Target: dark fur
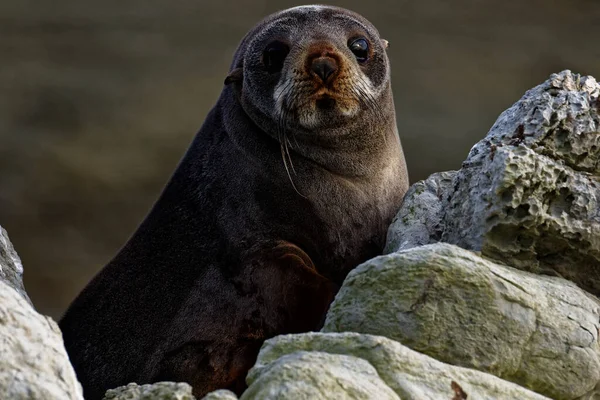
(232, 254)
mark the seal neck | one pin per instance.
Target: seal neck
(353, 151)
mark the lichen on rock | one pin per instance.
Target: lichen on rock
(352, 364)
(222, 394)
(444, 301)
(528, 194)
(155, 391)
(318, 375)
(420, 221)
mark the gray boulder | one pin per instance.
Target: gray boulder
(354, 366)
(11, 269)
(318, 375)
(222, 394)
(540, 332)
(155, 391)
(33, 362)
(528, 195)
(420, 220)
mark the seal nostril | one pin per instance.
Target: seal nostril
(324, 67)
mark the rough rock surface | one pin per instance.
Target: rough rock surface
(155, 391)
(420, 220)
(538, 331)
(355, 366)
(11, 269)
(529, 193)
(33, 361)
(318, 375)
(220, 395)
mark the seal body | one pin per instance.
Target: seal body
(291, 182)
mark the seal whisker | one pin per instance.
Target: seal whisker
(285, 140)
(287, 146)
(281, 94)
(368, 99)
(288, 171)
(283, 144)
(283, 117)
(295, 140)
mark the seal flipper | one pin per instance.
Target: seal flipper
(280, 291)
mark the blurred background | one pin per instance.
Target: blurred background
(99, 100)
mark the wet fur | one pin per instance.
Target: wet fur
(233, 253)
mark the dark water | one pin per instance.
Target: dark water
(98, 101)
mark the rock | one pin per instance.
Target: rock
(220, 395)
(538, 331)
(354, 366)
(155, 391)
(593, 395)
(319, 375)
(528, 195)
(33, 362)
(419, 221)
(11, 269)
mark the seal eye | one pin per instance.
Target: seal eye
(360, 48)
(274, 56)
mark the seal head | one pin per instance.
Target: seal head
(315, 76)
(321, 66)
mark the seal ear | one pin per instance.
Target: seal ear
(237, 75)
(385, 43)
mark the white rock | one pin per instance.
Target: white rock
(354, 366)
(33, 361)
(11, 269)
(540, 332)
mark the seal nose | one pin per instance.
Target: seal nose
(324, 67)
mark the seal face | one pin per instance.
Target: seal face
(321, 83)
(291, 182)
(312, 67)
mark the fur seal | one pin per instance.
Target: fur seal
(292, 181)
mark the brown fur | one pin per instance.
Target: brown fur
(274, 203)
